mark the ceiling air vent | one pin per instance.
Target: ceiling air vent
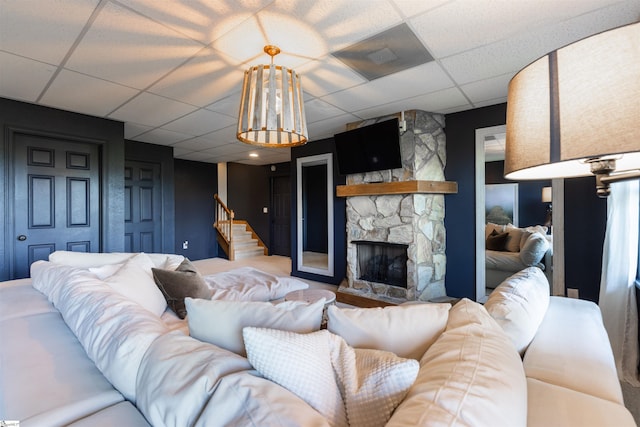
(389, 52)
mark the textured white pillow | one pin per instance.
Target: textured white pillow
(471, 376)
(221, 322)
(370, 383)
(135, 281)
(406, 330)
(519, 304)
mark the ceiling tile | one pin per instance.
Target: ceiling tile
(202, 80)
(411, 8)
(22, 78)
(327, 75)
(513, 54)
(203, 21)
(227, 105)
(162, 136)
(200, 122)
(197, 156)
(126, 48)
(414, 81)
(78, 92)
(327, 128)
(489, 89)
(432, 102)
(493, 20)
(320, 110)
(131, 130)
(151, 110)
(42, 30)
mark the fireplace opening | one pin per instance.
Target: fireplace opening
(382, 262)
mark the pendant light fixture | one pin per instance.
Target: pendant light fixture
(271, 108)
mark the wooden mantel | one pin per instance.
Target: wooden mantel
(397, 187)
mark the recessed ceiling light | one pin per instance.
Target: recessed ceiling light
(253, 155)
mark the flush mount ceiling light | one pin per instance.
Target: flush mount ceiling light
(576, 112)
(271, 107)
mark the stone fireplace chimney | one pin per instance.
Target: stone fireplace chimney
(411, 214)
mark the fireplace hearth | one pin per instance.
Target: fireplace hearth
(382, 262)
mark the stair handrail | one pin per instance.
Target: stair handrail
(224, 219)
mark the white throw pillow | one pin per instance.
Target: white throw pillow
(135, 281)
(519, 304)
(92, 259)
(471, 376)
(251, 284)
(221, 322)
(333, 378)
(406, 330)
(513, 239)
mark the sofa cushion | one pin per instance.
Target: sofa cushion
(221, 322)
(534, 249)
(472, 376)
(355, 387)
(571, 349)
(497, 241)
(46, 377)
(519, 304)
(386, 328)
(176, 285)
(551, 405)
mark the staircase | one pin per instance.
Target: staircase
(244, 243)
(236, 237)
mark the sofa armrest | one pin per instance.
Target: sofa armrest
(571, 349)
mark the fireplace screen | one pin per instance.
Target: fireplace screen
(382, 262)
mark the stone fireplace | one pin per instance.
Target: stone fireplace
(407, 217)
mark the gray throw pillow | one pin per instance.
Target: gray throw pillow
(176, 285)
(497, 241)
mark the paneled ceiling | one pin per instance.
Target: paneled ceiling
(172, 70)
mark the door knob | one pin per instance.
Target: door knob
(22, 238)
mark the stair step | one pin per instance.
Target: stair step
(245, 243)
(248, 253)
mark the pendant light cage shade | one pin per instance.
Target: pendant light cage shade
(575, 106)
(272, 108)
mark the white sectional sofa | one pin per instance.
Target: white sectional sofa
(516, 249)
(76, 352)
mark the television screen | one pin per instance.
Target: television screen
(369, 148)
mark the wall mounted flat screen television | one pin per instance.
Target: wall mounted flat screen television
(369, 148)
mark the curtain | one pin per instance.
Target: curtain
(617, 288)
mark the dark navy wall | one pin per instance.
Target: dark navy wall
(531, 210)
(585, 213)
(460, 208)
(195, 185)
(339, 214)
(584, 228)
(247, 193)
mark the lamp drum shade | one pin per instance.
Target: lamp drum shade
(578, 103)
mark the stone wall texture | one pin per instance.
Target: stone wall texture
(416, 220)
